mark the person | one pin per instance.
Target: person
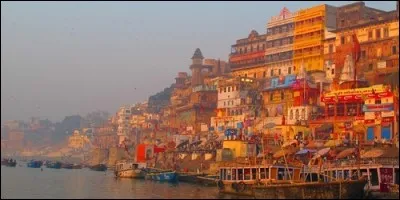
(375, 141)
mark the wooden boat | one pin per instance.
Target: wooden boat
(9, 162)
(76, 166)
(34, 164)
(240, 179)
(188, 177)
(67, 166)
(129, 169)
(209, 180)
(351, 189)
(98, 167)
(54, 165)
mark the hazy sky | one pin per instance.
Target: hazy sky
(65, 58)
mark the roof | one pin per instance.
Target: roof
(197, 54)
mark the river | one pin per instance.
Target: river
(23, 182)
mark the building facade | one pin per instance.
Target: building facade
(279, 51)
(247, 58)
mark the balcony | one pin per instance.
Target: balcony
(275, 36)
(307, 44)
(279, 49)
(307, 54)
(235, 57)
(247, 65)
(308, 28)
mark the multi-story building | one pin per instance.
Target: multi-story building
(378, 35)
(124, 128)
(310, 27)
(247, 58)
(77, 140)
(105, 137)
(237, 102)
(279, 51)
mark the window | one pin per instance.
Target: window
(255, 75)
(263, 46)
(224, 89)
(378, 33)
(303, 114)
(331, 48)
(297, 115)
(279, 71)
(229, 89)
(289, 70)
(291, 114)
(271, 96)
(224, 103)
(342, 40)
(245, 75)
(369, 35)
(378, 101)
(264, 74)
(370, 66)
(282, 95)
(386, 32)
(394, 50)
(363, 54)
(272, 72)
(333, 71)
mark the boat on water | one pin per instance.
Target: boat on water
(162, 175)
(67, 166)
(188, 177)
(209, 180)
(54, 165)
(129, 169)
(98, 167)
(9, 162)
(76, 166)
(34, 164)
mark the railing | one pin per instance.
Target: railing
(251, 64)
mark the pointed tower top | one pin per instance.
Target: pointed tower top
(197, 54)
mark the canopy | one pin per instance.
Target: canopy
(315, 144)
(283, 152)
(289, 143)
(373, 153)
(304, 151)
(321, 152)
(333, 143)
(196, 143)
(345, 153)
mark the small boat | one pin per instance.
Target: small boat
(34, 164)
(76, 166)
(54, 165)
(99, 167)
(67, 166)
(169, 176)
(209, 180)
(9, 162)
(188, 177)
(129, 169)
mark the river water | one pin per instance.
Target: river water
(23, 182)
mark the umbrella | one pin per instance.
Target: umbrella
(283, 152)
(321, 152)
(373, 153)
(196, 143)
(333, 143)
(304, 151)
(314, 145)
(182, 144)
(289, 143)
(345, 153)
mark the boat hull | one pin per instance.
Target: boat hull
(130, 173)
(100, 167)
(164, 176)
(34, 164)
(331, 190)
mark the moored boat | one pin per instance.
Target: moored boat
(98, 167)
(9, 162)
(67, 166)
(169, 176)
(209, 180)
(76, 166)
(129, 169)
(34, 164)
(54, 165)
(188, 177)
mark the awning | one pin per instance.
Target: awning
(321, 152)
(289, 143)
(304, 151)
(315, 145)
(373, 153)
(182, 144)
(345, 153)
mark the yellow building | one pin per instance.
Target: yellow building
(310, 28)
(77, 140)
(239, 148)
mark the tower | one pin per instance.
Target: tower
(196, 67)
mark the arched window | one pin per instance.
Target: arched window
(303, 114)
(291, 115)
(297, 114)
